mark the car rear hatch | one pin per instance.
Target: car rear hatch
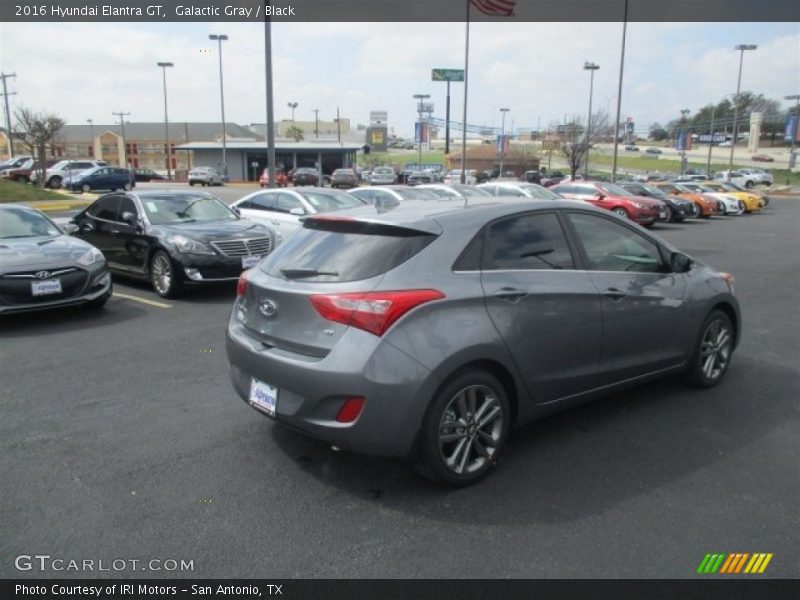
(329, 256)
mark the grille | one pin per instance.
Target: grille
(255, 246)
(15, 288)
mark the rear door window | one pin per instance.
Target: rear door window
(528, 241)
(333, 251)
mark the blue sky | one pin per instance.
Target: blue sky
(534, 69)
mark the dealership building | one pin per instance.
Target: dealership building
(246, 160)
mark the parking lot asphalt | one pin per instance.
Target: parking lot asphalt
(121, 437)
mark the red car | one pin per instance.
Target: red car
(644, 211)
(280, 178)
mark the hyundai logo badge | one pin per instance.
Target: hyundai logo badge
(42, 274)
(268, 308)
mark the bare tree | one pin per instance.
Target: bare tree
(36, 130)
(293, 131)
(575, 144)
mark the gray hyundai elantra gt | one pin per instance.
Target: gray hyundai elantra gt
(430, 328)
(42, 268)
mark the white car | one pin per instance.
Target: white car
(390, 195)
(282, 208)
(205, 176)
(66, 169)
(383, 176)
(519, 190)
(455, 190)
(740, 178)
(454, 176)
(761, 175)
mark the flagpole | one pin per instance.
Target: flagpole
(619, 94)
(464, 119)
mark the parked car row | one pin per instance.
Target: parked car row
(346, 302)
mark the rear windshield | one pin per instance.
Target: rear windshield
(343, 251)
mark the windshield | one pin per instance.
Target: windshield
(415, 194)
(614, 190)
(383, 171)
(21, 223)
(537, 191)
(330, 201)
(184, 208)
(654, 191)
(470, 191)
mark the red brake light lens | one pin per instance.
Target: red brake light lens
(350, 409)
(241, 285)
(371, 311)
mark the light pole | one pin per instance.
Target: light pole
(316, 122)
(292, 105)
(122, 116)
(219, 39)
(793, 131)
(164, 66)
(684, 112)
(503, 111)
(419, 98)
(710, 140)
(741, 48)
(619, 95)
(91, 133)
(591, 67)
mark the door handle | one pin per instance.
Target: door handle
(614, 294)
(508, 293)
(115, 232)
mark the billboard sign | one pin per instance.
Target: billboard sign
(425, 107)
(791, 129)
(447, 75)
(378, 117)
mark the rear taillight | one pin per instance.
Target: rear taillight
(350, 409)
(241, 285)
(371, 311)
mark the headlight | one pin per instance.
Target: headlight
(90, 257)
(640, 205)
(187, 246)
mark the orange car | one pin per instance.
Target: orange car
(706, 205)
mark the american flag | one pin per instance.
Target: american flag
(495, 8)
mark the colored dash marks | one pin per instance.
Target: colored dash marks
(737, 563)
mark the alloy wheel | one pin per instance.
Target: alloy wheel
(470, 429)
(715, 349)
(161, 274)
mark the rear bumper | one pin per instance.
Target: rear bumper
(312, 390)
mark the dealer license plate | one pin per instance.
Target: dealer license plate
(250, 261)
(43, 288)
(663, 215)
(264, 396)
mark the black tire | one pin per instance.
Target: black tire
(710, 347)
(127, 187)
(191, 183)
(163, 275)
(749, 184)
(54, 183)
(86, 188)
(463, 453)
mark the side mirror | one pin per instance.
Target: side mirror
(680, 263)
(69, 228)
(599, 195)
(236, 210)
(297, 211)
(129, 218)
(87, 227)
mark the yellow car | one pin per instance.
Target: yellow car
(752, 202)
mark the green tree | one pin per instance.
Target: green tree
(293, 131)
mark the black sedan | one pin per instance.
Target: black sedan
(41, 267)
(306, 176)
(173, 237)
(680, 208)
(147, 175)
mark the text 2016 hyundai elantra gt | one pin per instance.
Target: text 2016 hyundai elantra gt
(428, 329)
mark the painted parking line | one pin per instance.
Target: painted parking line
(142, 300)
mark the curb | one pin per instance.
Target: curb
(58, 205)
